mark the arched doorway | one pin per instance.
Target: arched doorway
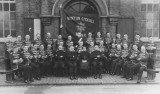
(79, 16)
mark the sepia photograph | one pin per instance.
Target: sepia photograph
(79, 46)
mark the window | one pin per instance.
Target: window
(150, 18)
(7, 18)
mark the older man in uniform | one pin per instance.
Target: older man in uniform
(72, 56)
(97, 62)
(27, 42)
(60, 59)
(48, 40)
(89, 39)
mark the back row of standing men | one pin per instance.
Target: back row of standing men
(113, 49)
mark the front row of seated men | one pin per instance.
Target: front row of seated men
(35, 62)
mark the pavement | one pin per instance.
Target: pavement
(107, 79)
(92, 89)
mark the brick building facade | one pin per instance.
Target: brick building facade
(115, 16)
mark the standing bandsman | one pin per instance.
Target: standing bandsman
(89, 39)
(126, 40)
(9, 45)
(118, 39)
(98, 38)
(27, 42)
(48, 40)
(137, 42)
(151, 49)
(72, 56)
(69, 42)
(108, 41)
(59, 40)
(80, 47)
(38, 41)
(18, 43)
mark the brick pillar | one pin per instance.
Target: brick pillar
(113, 24)
(104, 26)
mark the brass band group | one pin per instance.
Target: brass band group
(86, 57)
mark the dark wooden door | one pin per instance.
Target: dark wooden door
(126, 26)
(29, 28)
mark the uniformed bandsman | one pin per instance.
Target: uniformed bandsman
(89, 39)
(118, 39)
(91, 47)
(126, 40)
(126, 66)
(143, 60)
(124, 56)
(69, 42)
(137, 42)
(151, 50)
(98, 38)
(108, 41)
(59, 40)
(43, 63)
(48, 40)
(80, 47)
(38, 41)
(27, 42)
(117, 58)
(18, 43)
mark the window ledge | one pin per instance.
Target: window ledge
(5, 39)
(145, 39)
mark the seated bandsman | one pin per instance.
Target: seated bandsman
(84, 62)
(15, 60)
(97, 62)
(48, 40)
(43, 63)
(124, 56)
(143, 59)
(69, 42)
(80, 47)
(151, 49)
(72, 56)
(98, 38)
(132, 58)
(111, 57)
(126, 40)
(118, 39)
(27, 42)
(59, 40)
(108, 41)
(60, 57)
(91, 47)
(34, 62)
(117, 58)
(50, 59)
(38, 41)
(27, 69)
(89, 39)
